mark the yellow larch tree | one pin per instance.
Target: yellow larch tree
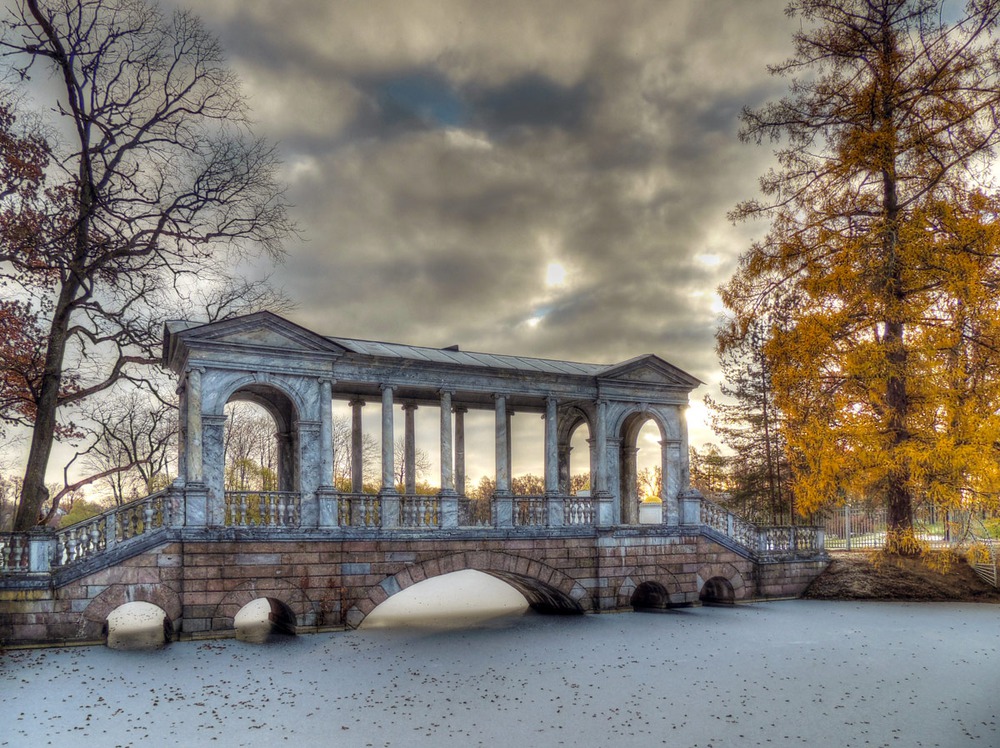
(884, 232)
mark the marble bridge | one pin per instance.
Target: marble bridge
(326, 557)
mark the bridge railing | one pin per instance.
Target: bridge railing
(262, 508)
(359, 510)
(41, 550)
(579, 510)
(785, 541)
(105, 531)
(418, 510)
(530, 511)
(475, 512)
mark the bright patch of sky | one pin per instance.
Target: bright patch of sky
(555, 275)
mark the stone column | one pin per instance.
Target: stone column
(601, 449)
(286, 460)
(357, 458)
(503, 505)
(671, 487)
(196, 508)
(388, 442)
(194, 454)
(449, 498)
(685, 464)
(409, 450)
(213, 430)
(308, 453)
(390, 497)
(553, 499)
(603, 497)
(460, 411)
(325, 432)
(551, 447)
(629, 488)
(325, 508)
(447, 456)
(565, 479)
(182, 410)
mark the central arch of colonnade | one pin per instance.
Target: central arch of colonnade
(294, 374)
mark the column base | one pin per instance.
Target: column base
(329, 506)
(503, 509)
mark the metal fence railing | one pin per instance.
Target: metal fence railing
(858, 528)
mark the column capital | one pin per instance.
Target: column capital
(446, 391)
(459, 409)
(190, 369)
(409, 406)
(356, 402)
(326, 380)
(390, 387)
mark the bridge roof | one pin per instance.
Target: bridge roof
(452, 355)
(260, 339)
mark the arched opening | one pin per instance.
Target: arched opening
(574, 474)
(261, 458)
(138, 625)
(251, 448)
(264, 619)
(717, 591)
(650, 596)
(458, 599)
(641, 458)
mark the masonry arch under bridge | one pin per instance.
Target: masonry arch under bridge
(546, 589)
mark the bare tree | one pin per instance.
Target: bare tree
(134, 445)
(421, 461)
(370, 467)
(250, 448)
(159, 183)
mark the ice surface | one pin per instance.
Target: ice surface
(779, 674)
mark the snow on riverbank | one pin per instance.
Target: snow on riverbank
(783, 673)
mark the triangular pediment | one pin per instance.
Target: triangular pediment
(264, 331)
(650, 369)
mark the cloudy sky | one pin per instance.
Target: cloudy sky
(528, 177)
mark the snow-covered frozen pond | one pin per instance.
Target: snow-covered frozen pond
(779, 674)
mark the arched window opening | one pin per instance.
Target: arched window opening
(641, 476)
(648, 470)
(261, 459)
(576, 481)
(251, 449)
(456, 600)
(138, 625)
(263, 620)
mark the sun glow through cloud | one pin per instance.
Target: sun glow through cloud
(555, 275)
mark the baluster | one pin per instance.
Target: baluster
(95, 538)
(282, 505)
(147, 517)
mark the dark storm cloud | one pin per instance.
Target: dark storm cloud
(530, 101)
(441, 154)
